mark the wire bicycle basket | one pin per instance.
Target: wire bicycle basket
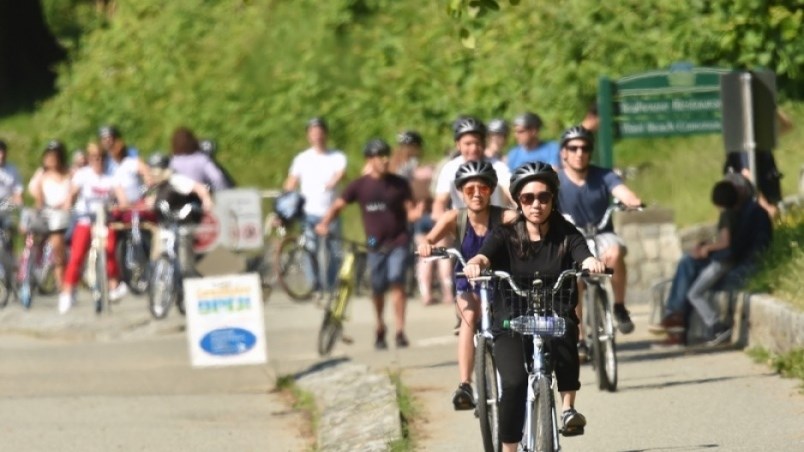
(538, 309)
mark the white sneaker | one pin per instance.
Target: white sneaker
(118, 292)
(65, 302)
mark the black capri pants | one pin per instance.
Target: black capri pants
(511, 351)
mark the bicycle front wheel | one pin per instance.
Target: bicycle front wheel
(332, 325)
(133, 263)
(543, 419)
(297, 269)
(162, 292)
(100, 291)
(604, 353)
(26, 288)
(488, 395)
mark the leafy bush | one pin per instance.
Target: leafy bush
(784, 261)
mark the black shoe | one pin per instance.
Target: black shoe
(623, 318)
(573, 421)
(380, 343)
(583, 352)
(401, 340)
(464, 397)
(720, 334)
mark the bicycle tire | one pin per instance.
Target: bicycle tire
(332, 325)
(488, 395)
(101, 289)
(161, 293)
(292, 260)
(5, 294)
(266, 268)
(136, 276)
(543, 408)
(26, 288)
(604, 355)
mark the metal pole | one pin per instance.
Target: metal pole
(749, 141)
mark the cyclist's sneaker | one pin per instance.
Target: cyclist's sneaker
(401, 340)
(118, 292)
(624, 323)
(380, 343)
(583, 352)
(574, 422)
(464, 397)
(673, 341)
(65, 302)
(720, 334)
(671, 323)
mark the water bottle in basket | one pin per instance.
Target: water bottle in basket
(537, 325)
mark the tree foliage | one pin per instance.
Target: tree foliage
(250, 73)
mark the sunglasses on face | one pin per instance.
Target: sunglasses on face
(469, 190)
(584, 148)
(544, 197)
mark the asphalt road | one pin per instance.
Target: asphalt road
(123, 382)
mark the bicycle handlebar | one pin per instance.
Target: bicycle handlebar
(441, 252)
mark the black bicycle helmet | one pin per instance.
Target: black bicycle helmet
(208, 147)
(317, 122)
(109, 131)
(376, 147)
(533, 171)
(528, 120)
(577, 133)
(498, 126)
(476, 170)
(159, 160)
(410, 137)
(468, 124)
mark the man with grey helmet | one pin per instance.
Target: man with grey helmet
(530, 147)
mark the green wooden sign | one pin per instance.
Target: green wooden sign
(683, 100)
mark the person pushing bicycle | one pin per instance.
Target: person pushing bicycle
(539, 241)
(476, 180)
(386, 205)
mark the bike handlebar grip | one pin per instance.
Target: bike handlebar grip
(609, 271)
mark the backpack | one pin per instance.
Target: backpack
(289, 206)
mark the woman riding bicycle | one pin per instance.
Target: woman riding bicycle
(542, 241)
(476, 180)
(92, 186)
(50, 188)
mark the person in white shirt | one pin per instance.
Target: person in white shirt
(91, 186)
(316, 173)
(470, 140)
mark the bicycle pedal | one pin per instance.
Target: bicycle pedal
(347, 340)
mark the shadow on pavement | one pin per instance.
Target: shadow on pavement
(668, 384)
(435, 365)
(695, 447)
(318, 367)
(654, 351)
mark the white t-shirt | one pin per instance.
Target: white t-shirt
(93, 188)
(446, 182)
(314, 170)
(181, 183)
(10, 181)
(126, 174)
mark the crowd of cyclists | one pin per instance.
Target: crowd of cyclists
(108, 174)
(509, 210)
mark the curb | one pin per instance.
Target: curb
(357, 407)
(773, 324)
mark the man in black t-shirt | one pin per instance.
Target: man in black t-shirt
(386, 205)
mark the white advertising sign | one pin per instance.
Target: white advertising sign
(225, 324)
(239, 212)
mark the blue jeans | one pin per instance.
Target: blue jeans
(687, 271)
(328, 263)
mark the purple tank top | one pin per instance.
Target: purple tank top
(469, 248)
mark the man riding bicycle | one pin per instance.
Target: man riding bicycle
(586, 192)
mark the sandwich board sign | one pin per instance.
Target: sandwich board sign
(225, 323)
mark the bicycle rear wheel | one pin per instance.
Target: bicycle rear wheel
(294, 262)
(162, 293)
(332, 325)
(604, 352)
(543, 419)
(134, 266)
(100, 291)
(488, 395)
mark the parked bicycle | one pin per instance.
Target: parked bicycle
(487, 386)
(335, 310)
(35, 269)
(175, 262)
(598, 312)
(133, 250)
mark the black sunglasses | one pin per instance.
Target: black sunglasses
(543, 197)
(583, 148)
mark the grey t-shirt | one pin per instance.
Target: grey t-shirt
(10, 181)
(587, 203)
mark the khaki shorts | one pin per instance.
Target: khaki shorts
(606, 240)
